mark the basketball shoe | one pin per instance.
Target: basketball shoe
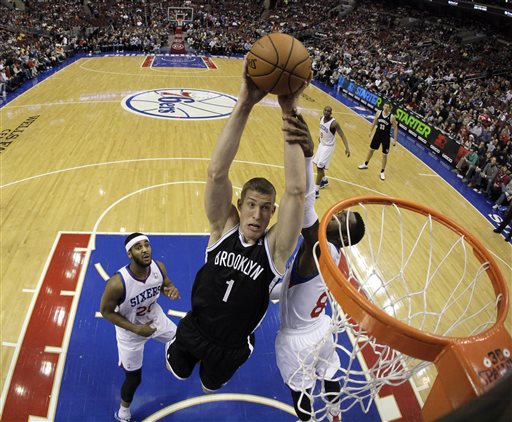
(121, 419)
(382, 176)
(324, 183)
(363, 166)
(167, 364)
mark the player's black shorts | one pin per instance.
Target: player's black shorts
(377, 141)
(217, 363)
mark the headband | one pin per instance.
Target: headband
(135, 240)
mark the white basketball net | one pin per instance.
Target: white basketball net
(420, 272)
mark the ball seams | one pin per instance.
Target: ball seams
(277, 66)
(270, 53)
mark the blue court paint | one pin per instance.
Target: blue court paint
(90, 387)
(195, 62)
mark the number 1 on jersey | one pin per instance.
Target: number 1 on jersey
(228, 290)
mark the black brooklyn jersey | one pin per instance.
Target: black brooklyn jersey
(383, 126)
(231, 291)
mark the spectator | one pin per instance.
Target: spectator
(3, 83)
(501, 180)
(472, 170)
(468, 160)
(485, 178)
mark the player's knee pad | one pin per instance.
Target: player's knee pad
(130, 384)
(333, 389)
(302, 405)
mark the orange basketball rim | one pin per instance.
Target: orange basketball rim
(467, 366)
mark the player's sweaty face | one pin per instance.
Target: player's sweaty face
(327, 112)
(141, 253)
(256, 210)
(333, 228)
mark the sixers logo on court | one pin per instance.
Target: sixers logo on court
(180, 103)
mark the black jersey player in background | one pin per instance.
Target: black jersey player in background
(380, 136)
(244, 260)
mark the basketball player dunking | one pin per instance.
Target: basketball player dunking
(328, 129)
(382, 124)
(244, 260)
(302, 301)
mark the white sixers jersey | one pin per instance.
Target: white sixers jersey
(139, 303)
(327, 138)
(302, 299)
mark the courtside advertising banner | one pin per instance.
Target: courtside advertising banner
(411, 122)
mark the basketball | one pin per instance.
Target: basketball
(279, 64)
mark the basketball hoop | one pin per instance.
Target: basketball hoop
(419, 288)
(180, 14)
(179, 21)
(178, 43)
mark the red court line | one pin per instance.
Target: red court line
(31, 384)
(209, 62)
(406, 401)
(148, 61)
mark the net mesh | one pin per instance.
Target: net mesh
(420, 272)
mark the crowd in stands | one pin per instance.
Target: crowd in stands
(419, 62)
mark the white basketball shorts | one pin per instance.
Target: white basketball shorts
(323, 156)
(302, 359)
(131, 350)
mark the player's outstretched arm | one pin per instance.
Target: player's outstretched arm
(113, 293)
(340, 132)
(222, 215)
(306, 263)
(298, 142)
(285, 232)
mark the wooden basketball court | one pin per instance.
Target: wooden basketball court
(76, 160)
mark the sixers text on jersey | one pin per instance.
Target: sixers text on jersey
(147, 294)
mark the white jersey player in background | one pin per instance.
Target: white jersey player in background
(328, 129)
(130, 303)
(302, 301)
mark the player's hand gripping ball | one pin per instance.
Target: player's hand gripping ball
(279, 64)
